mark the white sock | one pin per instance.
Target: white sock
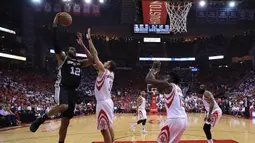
(210, 141)
(135, 125)
(143, 128)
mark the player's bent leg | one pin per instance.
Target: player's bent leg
(172, 131)
(67, 115)
(177, 129)
(207, 130)
(107, 136)
(134, 126)
(54, 111)
(57, 109)
(143, 126)
(164, 135)
(63, 129)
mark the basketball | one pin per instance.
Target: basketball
(64, 19)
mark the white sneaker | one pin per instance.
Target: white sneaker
(133, 128)
(144, 132)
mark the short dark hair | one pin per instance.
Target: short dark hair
(174, 78)
(112, 66)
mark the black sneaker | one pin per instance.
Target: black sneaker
(36, 124)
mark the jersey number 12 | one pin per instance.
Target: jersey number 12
(75, 71)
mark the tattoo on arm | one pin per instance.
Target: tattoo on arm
(92, 48)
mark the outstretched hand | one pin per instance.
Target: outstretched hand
(79, 39)
(56, 18)
(88, 35)
(156, 67)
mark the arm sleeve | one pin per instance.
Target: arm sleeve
(55, 41)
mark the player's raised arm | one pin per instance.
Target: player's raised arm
(150, 78)
(59, 53)
(86, 62)
(97, 63)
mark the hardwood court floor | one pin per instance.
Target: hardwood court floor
(83, 130)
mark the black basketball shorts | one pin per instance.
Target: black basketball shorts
(66, 96)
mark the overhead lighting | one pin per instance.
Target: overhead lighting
(101, 1)
(7, 30)
(167, 59)
(15, 57)
(232, 4)
(36, 1)
(88, 1)
(66, 0)
(202, 3)
(216, 57)
(52, 51)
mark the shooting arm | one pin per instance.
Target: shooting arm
(59, 54)
(150, 79)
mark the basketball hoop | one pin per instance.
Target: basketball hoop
(178, 12)
(154, 91)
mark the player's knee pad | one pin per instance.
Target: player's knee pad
(207, 130)
(144, 122)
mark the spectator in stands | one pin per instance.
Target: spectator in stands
(8, 115)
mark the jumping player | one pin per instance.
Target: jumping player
(69, 76)
(213, 111)
(103, 87)
(176, 122)
(141, 111)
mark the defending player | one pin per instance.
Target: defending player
(176, 122)
(213, 111)
(69, 76)
(141, 111)
(103, 87)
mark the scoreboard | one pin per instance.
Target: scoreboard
(153, 29)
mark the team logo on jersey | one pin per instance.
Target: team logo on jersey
(164, 136)
(100, 83)
(103, 121)
(169, 100)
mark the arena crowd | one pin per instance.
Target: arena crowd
(26, 94)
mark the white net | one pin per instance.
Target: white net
(178, 13)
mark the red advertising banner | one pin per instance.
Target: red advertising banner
(154, 12)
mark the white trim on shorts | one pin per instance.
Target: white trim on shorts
(57, 83)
